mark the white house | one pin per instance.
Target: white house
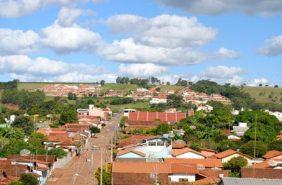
(104, 114)
(227, 155)
(240, 129)
(187, 153)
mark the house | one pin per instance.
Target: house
(127, 111)
(205, 108)
(278, 115)
(146, 173)
(249, 181)
(104, 114)
(227, 155)
(273, 155)
(154, 149)
(154, 118)
(207, 152)
(159, 99)
(187, 153)
(240, 129)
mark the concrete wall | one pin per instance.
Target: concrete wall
(190, 155)
(178, 177)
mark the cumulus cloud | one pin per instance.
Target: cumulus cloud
(227, 53)
(69, 39)
(168, 31)
(17, 8)
(263, 7)
(68, 16)
(273, 46)
(222, 72)
(25, 68)
(141, 70)
(128, 51)
(164, 40)
(17, 41)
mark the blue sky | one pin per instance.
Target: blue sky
(86, 40)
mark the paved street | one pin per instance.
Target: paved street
(78, 171)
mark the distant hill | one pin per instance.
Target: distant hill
(265, 94)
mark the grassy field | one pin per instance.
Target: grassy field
(119, 87)
(170, 87)
(135, 105)
(36, 85)
(265, 94)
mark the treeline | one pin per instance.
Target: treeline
(142, 82)
(24, 99)
(9, 85)
(239, 99)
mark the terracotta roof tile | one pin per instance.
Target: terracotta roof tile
(208, 163)
(272, 153)
(125, 151)
(177, 152)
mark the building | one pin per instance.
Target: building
(93, 111)
(159, 99)
(240, 129)
(278, 115)
(249, 181)
(227, 155)
(146, 173)
(154, 118)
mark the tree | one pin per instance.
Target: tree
(102, 82)
(175, 101)
(249, 148)
(275, 145)
(94, 130)
(23, 123)
(28, 179)
(71, 96)
(162, 129)
(107, 175)
(69, 115)
(58, 152)
(235, 164)
(122, 122)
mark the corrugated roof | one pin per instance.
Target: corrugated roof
(250, 181)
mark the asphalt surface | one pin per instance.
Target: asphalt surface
(81, 169)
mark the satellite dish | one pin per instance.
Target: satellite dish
(24, 152)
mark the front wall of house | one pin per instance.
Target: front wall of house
(130, 155)
(178, 177)
(190, 155)
(226, 159)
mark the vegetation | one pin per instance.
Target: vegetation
(94, 130)
(106, 174)
(235, 164)
(252, 148)
(58, 152)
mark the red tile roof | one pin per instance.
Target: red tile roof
(140, 167)
(177, 152)
(133, 139)
(229, 152)
(208, 163)
(272, 153)
(171, 117)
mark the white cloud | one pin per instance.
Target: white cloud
(273, 46)
(257, 81)
(67, 16)
(128, 51)
(70, 39)
(227, 53)
(17, 41)
(263, 7)
(25, 68)
(168, 31)
(141, 70)
(17, 8)
(222, 72)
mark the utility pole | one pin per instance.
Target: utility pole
(101, 168)
(255, 143)
(92, 168)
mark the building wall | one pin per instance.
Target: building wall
(190, 155)
(177, 177)
(226, 159)
(130, 155)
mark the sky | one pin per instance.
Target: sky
(227, 41)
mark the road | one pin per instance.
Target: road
(78, 171)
